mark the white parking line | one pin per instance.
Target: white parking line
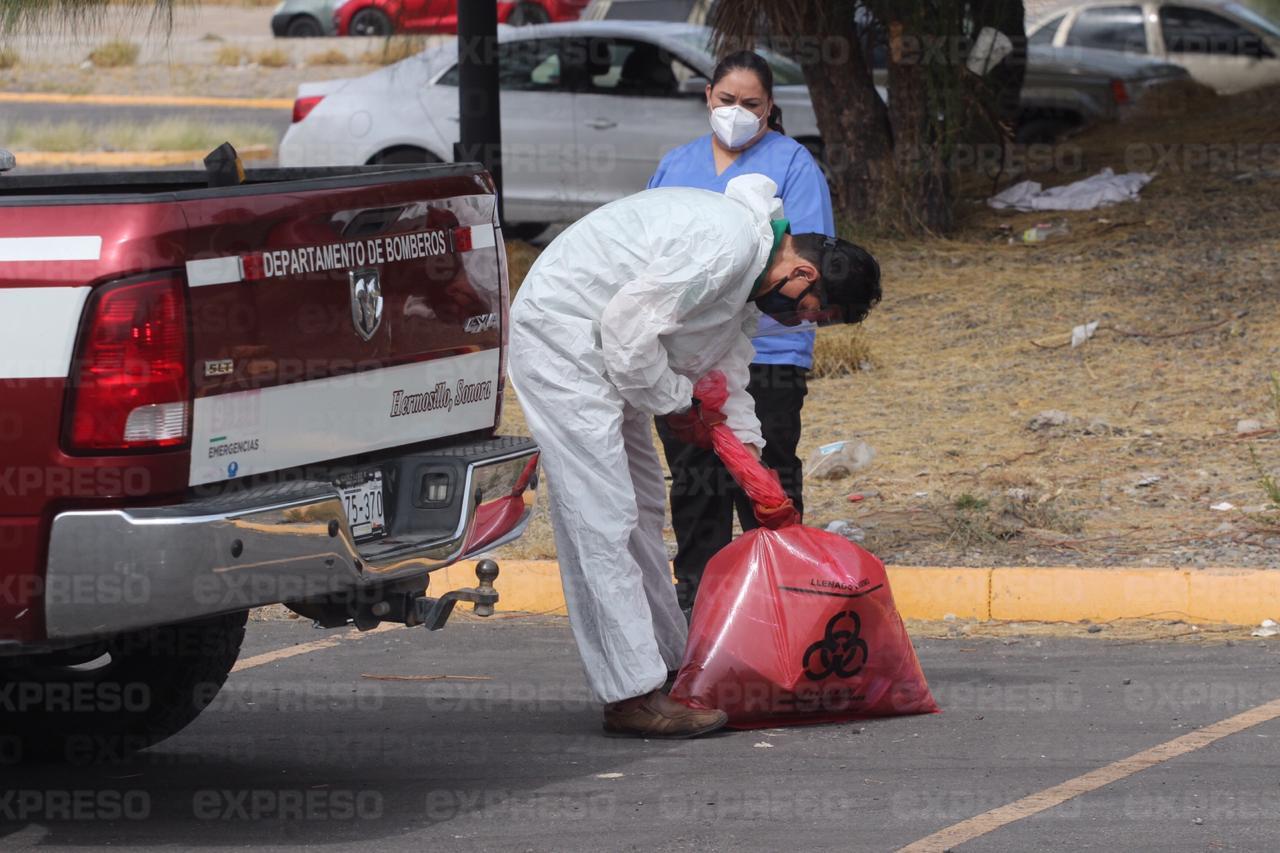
(307, 648)
(1033, 804)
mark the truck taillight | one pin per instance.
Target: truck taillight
(303, 106)
(130, 385)
(1119, 92)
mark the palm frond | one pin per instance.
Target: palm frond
(80, 16)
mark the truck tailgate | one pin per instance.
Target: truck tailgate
(332, 323)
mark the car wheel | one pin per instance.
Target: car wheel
(1042, 131)
(102, 702)
(303, 26)
(405, 155)
(526, 14)
(370, 22)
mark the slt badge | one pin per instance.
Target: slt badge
(366, 301)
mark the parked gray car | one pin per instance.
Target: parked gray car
(1224, 45)
(303, 19)
(1064, 88)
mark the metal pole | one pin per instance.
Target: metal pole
(480, 131)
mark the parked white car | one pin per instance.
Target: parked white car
(1224, 45)
(590, 107)
(588, 110)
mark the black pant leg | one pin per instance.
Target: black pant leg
(779, 391)
(701, 509)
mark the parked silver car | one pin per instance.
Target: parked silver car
(1223, 45)
(588, 110)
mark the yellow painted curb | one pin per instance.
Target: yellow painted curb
(147, 101)
(1044, 594)
(125, 159)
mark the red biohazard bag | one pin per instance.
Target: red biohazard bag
(793, 624)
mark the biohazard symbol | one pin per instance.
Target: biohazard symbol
(841, 652)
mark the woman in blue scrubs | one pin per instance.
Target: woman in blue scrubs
(746, 137)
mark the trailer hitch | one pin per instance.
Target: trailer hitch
(433, 613)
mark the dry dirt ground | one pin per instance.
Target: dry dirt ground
(971, 343)
(188, 57)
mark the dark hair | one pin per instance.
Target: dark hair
(850, 275)
(747, 60)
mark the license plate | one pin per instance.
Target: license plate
(362, 498)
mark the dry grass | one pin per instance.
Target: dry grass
(115, 54)
(840, 352)
(230, 56)
(393, 50)
(273, 58)
(520, 256)
(9, 58)
(969, 345)
(163, 135)
(329, 57)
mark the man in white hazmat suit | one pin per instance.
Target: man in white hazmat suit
(613, 324)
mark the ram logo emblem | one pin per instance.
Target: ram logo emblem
(366, 301)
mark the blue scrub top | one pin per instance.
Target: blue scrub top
(806, 201)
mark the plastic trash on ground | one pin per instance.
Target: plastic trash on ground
(1082, 333)
(793, 624)
(839, 459)
(1268, 628)
(1096, 191)
(1045, 230)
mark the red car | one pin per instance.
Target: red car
(384, 17)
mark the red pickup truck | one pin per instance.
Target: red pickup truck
(214, 398)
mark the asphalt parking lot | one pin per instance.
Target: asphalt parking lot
(304, 749)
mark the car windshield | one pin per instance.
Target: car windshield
(785, 71)
(1244, 13)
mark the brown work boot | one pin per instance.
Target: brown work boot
(657, 715)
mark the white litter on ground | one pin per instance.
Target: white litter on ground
(1098, 190)
(1082, 333)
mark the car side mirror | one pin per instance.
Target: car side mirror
(693, 86)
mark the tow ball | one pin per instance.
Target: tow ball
(433, 613)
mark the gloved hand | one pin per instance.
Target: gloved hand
(694, 425)
(775, 517)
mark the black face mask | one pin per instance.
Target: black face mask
(785, 309)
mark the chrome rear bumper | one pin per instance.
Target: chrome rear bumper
(119, 570)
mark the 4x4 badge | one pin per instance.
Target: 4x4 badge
(366, 301)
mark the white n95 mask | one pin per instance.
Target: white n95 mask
(734, 126)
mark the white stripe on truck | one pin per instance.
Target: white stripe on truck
(19, 249)
(236, 268)
(482, 236)
(270, 429)
(38, 330)
(214, 271)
